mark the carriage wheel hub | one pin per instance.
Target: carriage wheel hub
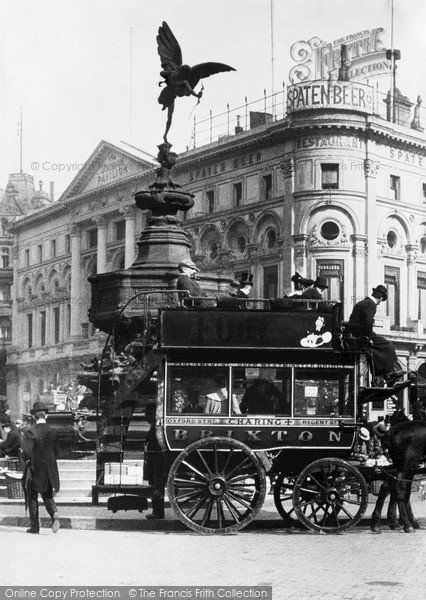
(332, 496)
(217, 486)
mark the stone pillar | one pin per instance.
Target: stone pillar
(412, 307)
(300, 243)
(101, 251)
(16, 334)
(129, 247)
(371, 274)
(76, 288)
(359, 256)
(289, 252)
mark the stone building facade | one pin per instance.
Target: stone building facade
(332, 189)
(90, 229)
(19, 198)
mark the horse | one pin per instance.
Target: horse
(406, 443)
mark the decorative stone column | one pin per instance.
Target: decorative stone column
(411, 250)
(359, 256)
(16, 336)
(289, 252)
(129, 246)
(75, 328)
(101, 249)
(300, 243)
(370, 171)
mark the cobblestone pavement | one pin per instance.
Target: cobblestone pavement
(299, 565)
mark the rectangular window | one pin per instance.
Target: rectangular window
(267, 187)
(67, 244)
(30, 330)
(120, 230)
(210, 201)
(237, 194)
(392, 303)
(261, 391)
(323, 393)
(333, 272)
(329, 176)
(53, 248)
(43, 328)
(27, 257)
(56, 323)
(198, 390)
(92, 238)
(395, 186)
(40, 253)
(5, 258)
(421, 290)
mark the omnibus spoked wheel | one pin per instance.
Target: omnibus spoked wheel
(330, 495)
(283, 499)
(216, 485)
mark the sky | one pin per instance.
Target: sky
(88, 70)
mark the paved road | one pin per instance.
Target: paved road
(299, 565)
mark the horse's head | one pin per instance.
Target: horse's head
(398, 416)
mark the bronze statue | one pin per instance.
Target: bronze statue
(180, 80)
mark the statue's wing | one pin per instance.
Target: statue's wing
(205, 70)
(168, 49)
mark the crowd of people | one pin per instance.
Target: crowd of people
(385, 364)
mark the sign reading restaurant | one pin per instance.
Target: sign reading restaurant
(341, 95)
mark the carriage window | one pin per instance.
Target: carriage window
(261, 391)
(196, 389)
(325, 393)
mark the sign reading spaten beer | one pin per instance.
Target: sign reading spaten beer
(316, 59)
(341, 95)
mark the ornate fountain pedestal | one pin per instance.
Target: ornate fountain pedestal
(162, 246)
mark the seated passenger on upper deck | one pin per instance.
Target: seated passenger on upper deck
(316, 290)
(186, 282)
(246, 285)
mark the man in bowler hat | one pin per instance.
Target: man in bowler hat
(383, 351)
(40, 449)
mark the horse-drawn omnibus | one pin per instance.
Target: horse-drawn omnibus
(243, 392)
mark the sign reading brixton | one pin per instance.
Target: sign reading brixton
(340, 95)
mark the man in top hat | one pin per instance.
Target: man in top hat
(246, 285)
(383, 351)
(316, 290)
(40, 449)
(186, 282)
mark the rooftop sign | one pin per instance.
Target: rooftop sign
(316, 59)
(340, 95)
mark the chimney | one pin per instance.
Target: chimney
(238, 128)
(52, 191)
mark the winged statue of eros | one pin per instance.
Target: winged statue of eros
(179, 79)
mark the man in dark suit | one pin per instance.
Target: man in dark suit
(383, 351)
(40, 450)
(316, 290)
(186, 283)
(11, 445)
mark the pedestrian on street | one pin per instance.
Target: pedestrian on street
(41, 476)
(12, 444)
